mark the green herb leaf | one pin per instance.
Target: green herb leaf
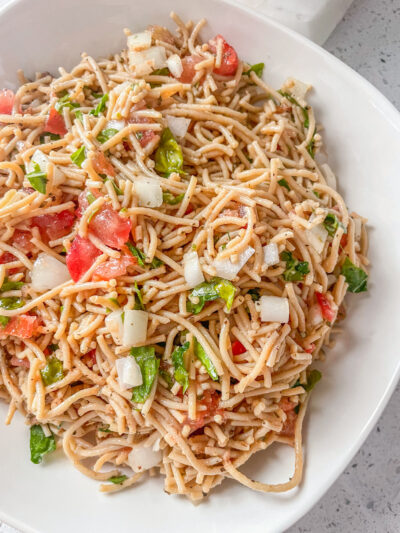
(161, 72)
(4, 320)
(156, 263)
(166, 377)
(11, 285)
(169, 198)
(11, 302)
(180, 373)
(169, 157)
(148, 364)
(255, 294)
(284, 183)
(355, 277)
(137, 253)
(258, 69)
(311, 147)
(53, 371)
(295, 270)
(331, 224)
(118, 480)
(205, 360)
(37, 179)
(53, 347)
(65, 102)
(79, 156)
(78, 114)
(139, 300)
(52, 136)
(316, 193)
(209, 291)
(105, 429)
(106, 135)
(295, 102)
(312, 379)
(40, 445)
(101, 106)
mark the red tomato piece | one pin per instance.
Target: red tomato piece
(238, 348)
(289, 424)
(144, 136)
(113, 268)
(343, 240)
(311, 348)
(90, 358)
(22, 326)
(112, 229)
(189, 209)
(188, 64)
(55, 123)
(81, 257)
(211, 402)
(102, 165)
(7, 98)
(286, 405)
(6, 257)
(327, 310)
(229, 61)
(54, 226)
(22, 240)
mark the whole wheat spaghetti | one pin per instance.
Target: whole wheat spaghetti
(173, 259)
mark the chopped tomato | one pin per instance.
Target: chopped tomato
(188, 64)
(229, 61)
(6, 257)
(55, 123)
(54, 226)
(22, 326)
(343, 240)
(14, 361)
(90, 358)
(7, 98)
(311, 348)
(289, 424)
(286, 405)
(113, 268)
(81, 257)
(144, 136)
(189, 209)
(326, 307)
(102, 165)
(211, 402)
(238, 348)
(22, 240)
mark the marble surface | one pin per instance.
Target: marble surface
(366, 497)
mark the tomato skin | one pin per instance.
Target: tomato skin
(22, 240)
(81, 257)
(188, 64)
(54, 226)
(110, 227)
(7, 98)
(22, 326)
(211, 402)
(90, 358)
(311, 348)
(113, 268)
(238, 348)
(326, 308)
(102, 165)
(6, 257)
(55, 123)
(229, 61)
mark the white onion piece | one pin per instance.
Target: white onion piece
(43, 161)
(48, 272)
(228, 270)
(192, 269)
(274, 309)
(329, 176)
(129, 373)
(174, 65)
(116, 124)
(139, 41)
(357, 228)
(135, 327)
(146, 61)
(114, 325)
(149, 192)
(142, 458)
(271, 254)
(178, 125)
(297, 89)
(315, 315)
(317, 237)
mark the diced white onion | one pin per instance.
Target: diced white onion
(315, 315)
(114, 325)
(174, 65)
(129, 373)
(146, 61)
(192, 269)
(317, 237)
(329, 176)
(48, 272)
(116, 124)
(142, 458)
(357, 228)
(297, 89)
(139, 41)
(273, 309)
(149, 192)
(228, 270)
(271, 254)
(178, 125)
(43, 161)
(135, 327)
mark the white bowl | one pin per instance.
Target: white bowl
(363, 139)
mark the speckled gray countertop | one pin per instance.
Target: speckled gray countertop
(366, 497)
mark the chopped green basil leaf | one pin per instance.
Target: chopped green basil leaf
(169, 198)
(101, 106)
(11, 302)
(4, 320)
(106, 135)
(209, 291)
(148, 364)
(40, 445)
(65, 102)
(78, 114)
(137, 253)
(166, 377)
(205, 360)
(180, 373)
(52, 136)
(356, 277)
(331, 224)
(139, 300)
(37, 179)
(312, 379)
(161, 72)
(11, 285)
(295, 102)
(53, 347)
(53, 371)
(118, 480)
(79, 156)
(105, 429)
(284, 183)
(295, 270)
(169, 157)
(258, 69)
(255, 294)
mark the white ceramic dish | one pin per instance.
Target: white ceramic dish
(362, 136)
